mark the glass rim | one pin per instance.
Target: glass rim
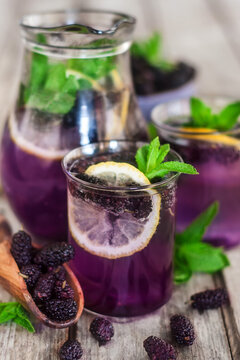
(70, 156)
(162, 125)
(125, 19)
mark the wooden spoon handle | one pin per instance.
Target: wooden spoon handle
(9, 271)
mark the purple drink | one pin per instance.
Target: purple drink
(36, 190)
(216, 156)
(123, 236)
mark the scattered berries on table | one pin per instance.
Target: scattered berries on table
(62, 290)
(44, 287)
(71, 350)
(182, 330)
(60, 310)
(158, 349)
(209, 299)
(31, 274)
(54, 254)
(21, 248)
(102, 330)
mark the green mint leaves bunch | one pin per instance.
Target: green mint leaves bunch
(151, 50)
(191, 254)
(13, 311)
(52, 87)
(202, 116)
(150, 160)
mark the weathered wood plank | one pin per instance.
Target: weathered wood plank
(211, 341)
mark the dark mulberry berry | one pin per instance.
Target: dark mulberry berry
(182, 330)
(44, 287)
(158, 349)
(62, 290)
(21, 248)
(55, 254)
(30, 273)
(61, 310)
(102, 330)
(59, 272)
(71, 350)
(210, 299)
(91, 179)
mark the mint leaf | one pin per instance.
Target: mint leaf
(182, 272)
(201, 114)
(15, 312)
(172, 166)
(195, 231)
(163, 151)
(151, 50)
(25, 323)
(191, 254)
(95, 68)
(55, 103)
(149, 159)
(7, 313)
(56, 78)
(152, 131)
(202, 257)
(228, 117)
(39, 69)
(141, 158)
(152, 155)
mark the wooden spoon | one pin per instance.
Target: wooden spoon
(16, 286)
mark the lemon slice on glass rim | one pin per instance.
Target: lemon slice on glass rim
(210, 135)
(100, 232)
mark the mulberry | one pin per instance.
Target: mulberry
(102, 330)
(21, 248)
(54, 255)
(210, 299)
(71, 350)
(182, 330)
(60, 310)
(44, 287)
(158, 349)
(30, 273)
(62, 290)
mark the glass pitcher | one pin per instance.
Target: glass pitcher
(75, 89)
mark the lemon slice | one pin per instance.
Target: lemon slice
(46, 147)
(198, 133)
(100, 232)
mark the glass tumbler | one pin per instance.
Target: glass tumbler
(123, 236)
(216, 156)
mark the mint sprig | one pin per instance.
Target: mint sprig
(13, 311)
(151, 50)
(50, 89)
(202, 116)
(150, 160)
(191, 254)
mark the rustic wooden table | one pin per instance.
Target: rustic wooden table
(206, 33)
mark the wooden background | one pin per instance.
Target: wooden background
(206, 33)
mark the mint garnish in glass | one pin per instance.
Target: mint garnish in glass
(150, 160)
(202, 116)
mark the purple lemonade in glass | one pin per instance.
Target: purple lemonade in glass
(122, 229)
(76, 88)
(216, 156)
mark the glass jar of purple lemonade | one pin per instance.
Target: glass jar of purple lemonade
(75, 89)
(122, 229)
(216, 156)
